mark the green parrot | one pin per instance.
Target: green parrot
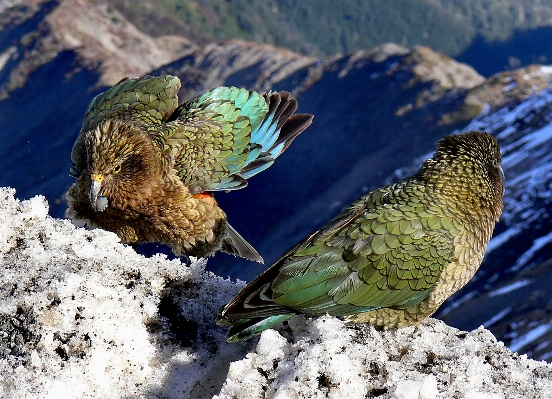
(147, 167)
(392, 257)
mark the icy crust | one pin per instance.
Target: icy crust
(83, 316)
(327, 359)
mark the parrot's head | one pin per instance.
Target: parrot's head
(120, 159)
(466, 170)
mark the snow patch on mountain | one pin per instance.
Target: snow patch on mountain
(502, 238)
(509, 288)
(531, 336)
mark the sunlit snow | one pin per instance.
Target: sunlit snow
(502, 238)
(83, 316)
(509, 288)
(528, 255)
(526, 155)
(497, 317)
(531, 336)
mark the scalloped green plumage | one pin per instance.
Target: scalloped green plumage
(393, 256)
(171, 157)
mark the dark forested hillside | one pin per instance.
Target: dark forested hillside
(468, 29)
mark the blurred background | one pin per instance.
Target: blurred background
(384, 81)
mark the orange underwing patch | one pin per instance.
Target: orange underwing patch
(202, 195)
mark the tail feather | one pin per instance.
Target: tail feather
(254, 152)
(281, 108)
(294, 126)
(232, 182)
(252, 310)
(273, 126)
(248, 328)
(279, 128)
(266, 131)
(286, 110)
(235, 244)
(257, 166)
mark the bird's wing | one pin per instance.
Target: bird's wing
(152, 99)
(210, 137)
(386, 250)
(148, 99)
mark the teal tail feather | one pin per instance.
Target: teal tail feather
(252, 310)
(273, 127)
(276, 132)
(242, 330)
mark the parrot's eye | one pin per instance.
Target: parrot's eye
(117, 169)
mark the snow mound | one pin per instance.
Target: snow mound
(326, 358)
(83, 316)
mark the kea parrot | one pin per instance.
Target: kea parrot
(147, 167)
(393, 256)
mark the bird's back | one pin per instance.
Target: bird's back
(223, 137)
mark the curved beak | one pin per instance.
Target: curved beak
(97, 199)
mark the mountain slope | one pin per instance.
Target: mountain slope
(448, 27)
(54, 57)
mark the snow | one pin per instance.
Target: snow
(510, 287)
(525, 133)
(546, 69)
(498, 317)
(502, 238)
(539, 243)
(83, 316)
(531, 336)
(325, 358)
(79, 309)
(529, 144)
(425, 389)
(459, 302)
(510, 86)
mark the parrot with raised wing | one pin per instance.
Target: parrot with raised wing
(147, 167)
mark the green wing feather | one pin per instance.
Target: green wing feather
(388, 249)
(210, 138)
(373, 255)
(148, 99)
(216, 141)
